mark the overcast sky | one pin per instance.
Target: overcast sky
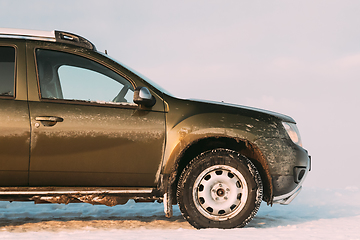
(300, 58)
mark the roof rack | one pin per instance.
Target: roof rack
(52, 36)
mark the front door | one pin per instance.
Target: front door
(86, 129)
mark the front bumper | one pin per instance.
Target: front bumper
(288, 197)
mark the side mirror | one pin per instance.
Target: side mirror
(142, 96)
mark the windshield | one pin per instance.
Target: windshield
(154, 84)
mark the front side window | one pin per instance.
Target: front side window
(71, 77)
(7, 71)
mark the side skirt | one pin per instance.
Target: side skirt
(106, 196)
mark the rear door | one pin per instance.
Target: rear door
(86, 129)
(14, 115)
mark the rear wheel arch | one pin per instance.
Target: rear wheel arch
(241, 146)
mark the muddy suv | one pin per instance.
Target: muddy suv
(78, 126)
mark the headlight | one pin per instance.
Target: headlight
(293, 132)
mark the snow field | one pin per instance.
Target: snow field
(314, 214)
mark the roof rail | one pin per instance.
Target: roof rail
(52, 36)
(65, 37)
(27, 34)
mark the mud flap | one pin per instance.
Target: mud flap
(168, 209)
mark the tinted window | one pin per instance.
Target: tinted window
(71, 77)
(7, 71)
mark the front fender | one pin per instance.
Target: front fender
(201, 126)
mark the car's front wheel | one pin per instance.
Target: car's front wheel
(219, 189)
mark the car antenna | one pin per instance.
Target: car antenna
(105, 51)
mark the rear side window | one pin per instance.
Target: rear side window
(7, 71)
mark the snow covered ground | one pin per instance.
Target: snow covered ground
(314, 214)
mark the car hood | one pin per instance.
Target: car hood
(280, 116)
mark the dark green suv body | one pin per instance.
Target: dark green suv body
(77, 126)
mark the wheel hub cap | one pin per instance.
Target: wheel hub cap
(219, 192)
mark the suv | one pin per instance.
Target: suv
(78, 126)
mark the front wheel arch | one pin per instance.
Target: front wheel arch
(242, 146)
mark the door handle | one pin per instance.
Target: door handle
(49, 121)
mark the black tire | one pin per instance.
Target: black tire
(219, 189)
